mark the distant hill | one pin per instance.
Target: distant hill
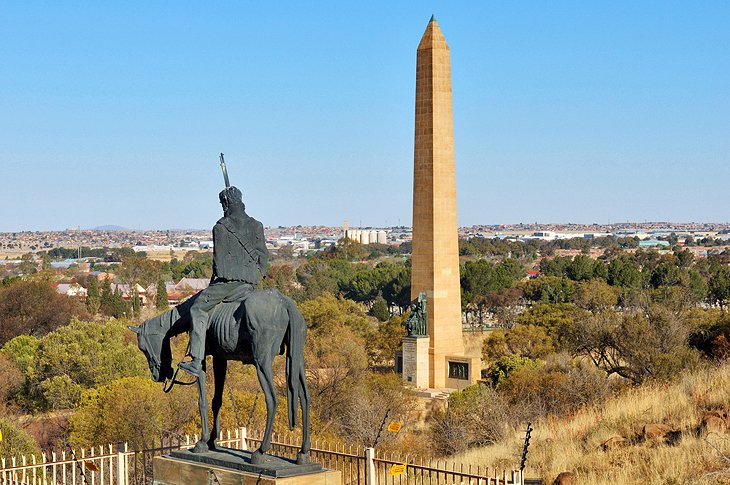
(110, 228)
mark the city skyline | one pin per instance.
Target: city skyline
(563, 113)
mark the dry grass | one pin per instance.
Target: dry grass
(574, 444)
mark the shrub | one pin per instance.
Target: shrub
(636, 346)
(130, 409)
(476, 416)
(15, 440)
(504, 366)
(559, 387)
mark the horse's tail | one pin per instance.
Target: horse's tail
(296, 388)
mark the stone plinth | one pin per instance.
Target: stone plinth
(232, 467)
(415, 361)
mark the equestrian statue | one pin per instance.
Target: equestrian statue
(232, 320)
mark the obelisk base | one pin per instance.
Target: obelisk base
(231, 467)
(416, 361)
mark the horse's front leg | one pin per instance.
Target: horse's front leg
(202, 445)
(220, 365)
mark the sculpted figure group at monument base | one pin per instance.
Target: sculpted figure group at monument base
(417, 323)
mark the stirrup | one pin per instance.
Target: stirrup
(191, 368)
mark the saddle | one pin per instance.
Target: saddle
(226, 317)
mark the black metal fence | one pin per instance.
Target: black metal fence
(133, 465)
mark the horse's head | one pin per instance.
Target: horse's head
(155, 346)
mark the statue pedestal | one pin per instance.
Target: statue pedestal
(415, 361)
(227, 466)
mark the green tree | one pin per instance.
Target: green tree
(556, 266)
(684, 257)
(480, 278)
(380, 309)
(580, 269)
(28, 265)
(388, 338)
(112, 302)
(281, 277)
(319, 276)
(596, 295)
(93, 297)
(549, 289)
(697, 286)
(162, 301)
(366, 284)
(624, 273)
(327, 312)
(665, 273)
(397, 292)
(560, 320)
(719, 285)
(522, 340)
(136, 304)
(83, 355)
(139, 270)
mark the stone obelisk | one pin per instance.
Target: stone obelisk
(435, 260)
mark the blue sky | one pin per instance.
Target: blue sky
(564, 111)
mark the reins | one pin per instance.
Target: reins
(167, 388)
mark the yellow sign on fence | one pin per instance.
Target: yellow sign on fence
(397, 469)
(394, 427)
(1, 435)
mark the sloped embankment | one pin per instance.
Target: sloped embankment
(655, 434)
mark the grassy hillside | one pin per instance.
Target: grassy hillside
(609, 445)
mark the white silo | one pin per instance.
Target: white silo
(373, 237)
(355, 235)
(364, 237)
(382, 237)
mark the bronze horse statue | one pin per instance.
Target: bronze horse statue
(252, 331)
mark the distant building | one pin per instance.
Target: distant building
(127, 292)
(648, 243)
(194, 284)
(71, 289)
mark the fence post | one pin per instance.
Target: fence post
(121, 472)
(370, 466)
(242, 434)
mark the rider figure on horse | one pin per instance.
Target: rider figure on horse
(239, 255)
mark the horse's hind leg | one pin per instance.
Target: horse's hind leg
(220, 365)
(263, 370)
(303, 455)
